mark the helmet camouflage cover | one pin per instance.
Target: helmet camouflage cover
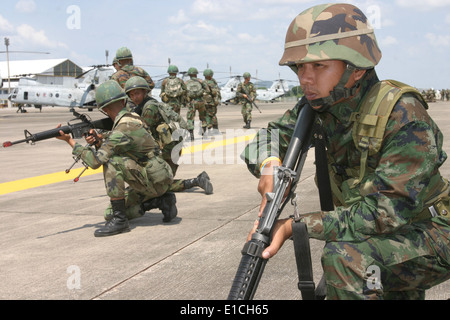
(208, 73)
(123, 53)
(172, 69)
(331, 32)
(109, 92)
(136, 83)
(192, 71)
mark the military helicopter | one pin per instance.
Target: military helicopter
(228, 91)
(73, 92)
(278, 89)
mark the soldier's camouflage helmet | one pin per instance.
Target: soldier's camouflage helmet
(136, 83)
(109, 92)
(208, 73)
(247, 75)
(123, 53)
(331, 32)
(172, 69)
(192, 71)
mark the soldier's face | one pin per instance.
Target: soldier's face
(137, 95)
(317, 79)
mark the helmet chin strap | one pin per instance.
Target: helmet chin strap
(339, 92)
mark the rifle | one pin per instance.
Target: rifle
(252, 264)
(250, 99)
(78, 129)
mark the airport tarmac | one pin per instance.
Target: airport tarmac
(48, 249)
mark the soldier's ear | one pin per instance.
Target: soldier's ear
(358, 74)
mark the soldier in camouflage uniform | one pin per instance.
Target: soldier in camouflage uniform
(394, 214)
(150, 111)
(212, 101)
(173, 90)
(124, 60)
(196, 91)
(244, 92)
(129, 155)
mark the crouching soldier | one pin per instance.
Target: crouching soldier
(129, 155)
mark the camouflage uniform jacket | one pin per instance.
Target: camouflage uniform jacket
(402, 176)
(149, 112)
(130, 71)
(242, 89)
(214, 96)
(128, 138)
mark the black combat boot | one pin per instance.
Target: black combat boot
(201, 181)
(150, 204)
(247, 126)
(118, 223)
(166, 203)
(215, 130)
(168, 206)
(192, 134)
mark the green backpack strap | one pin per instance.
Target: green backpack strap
(370, 121)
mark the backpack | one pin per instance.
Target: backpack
(172, 122)
(194, 88)
(173, 87)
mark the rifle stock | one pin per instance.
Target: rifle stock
(78, 130)
(252, 264)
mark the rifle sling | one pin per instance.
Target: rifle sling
(303, 258)
(299, 230)
(322, 174)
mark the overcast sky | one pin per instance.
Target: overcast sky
(244, 35)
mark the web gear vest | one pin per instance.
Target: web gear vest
(368, 133)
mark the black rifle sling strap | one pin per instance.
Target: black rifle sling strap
(303, 258)
(299, 230)
(322, 174)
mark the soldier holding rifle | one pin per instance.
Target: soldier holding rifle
(391, 204)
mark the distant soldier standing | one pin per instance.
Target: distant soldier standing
(212, 101)
(246, 91)
(196, 90)
(124, 59)
(161, 120)
(173, 90)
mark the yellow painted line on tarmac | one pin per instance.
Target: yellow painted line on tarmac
(34, 182)
(216, 143)
(43, 180)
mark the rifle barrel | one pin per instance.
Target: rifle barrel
(74, 129)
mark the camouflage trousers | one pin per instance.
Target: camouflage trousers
(246, 111)
(175, 104)
(194, 106)
(211, 116)
(144, 182)
(401, 265)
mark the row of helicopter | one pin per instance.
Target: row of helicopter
(80, 91)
